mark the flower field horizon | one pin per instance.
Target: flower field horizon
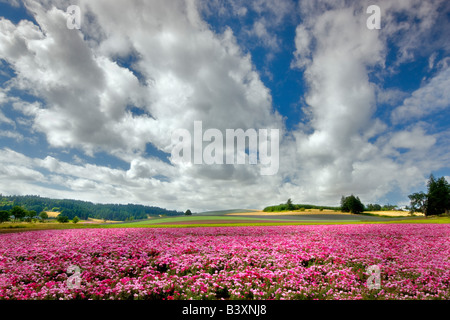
(244, 263)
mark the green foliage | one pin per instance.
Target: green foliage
(83, 209)
(435, 202)
(389, 207)
(4, 216)
(75, 219)
(373, 207)
(188, 213)
(438, 196)
(30, 215)
(351, 204)
(289, 205)
(43, 215)
(418, 202)
(285, 207)
(18, 212)
(377, 207)
(62, 219)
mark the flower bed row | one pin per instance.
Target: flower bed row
(282, 262)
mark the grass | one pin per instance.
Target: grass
(270, 222)
(163, 222)
(447, 220)
(194, 225)
(198, 218)
(7, 227)
(440, 219)
(222, 212)
(233, 222)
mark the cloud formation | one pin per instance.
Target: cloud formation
(344, 147)
(429, 99)
(134, 73)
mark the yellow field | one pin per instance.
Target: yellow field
(92, 220)
(52, 214)
(394, 213)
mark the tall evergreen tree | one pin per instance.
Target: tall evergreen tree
(289, 205)
(436, 201)
(438, 196)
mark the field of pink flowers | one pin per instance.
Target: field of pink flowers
(282, 262)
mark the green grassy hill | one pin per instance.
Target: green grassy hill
(221, 212)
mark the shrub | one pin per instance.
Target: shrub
(43, 215)
(62, 219)
(4, 216)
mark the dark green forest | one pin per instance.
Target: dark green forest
(84, 209)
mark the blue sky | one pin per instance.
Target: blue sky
(88, 114)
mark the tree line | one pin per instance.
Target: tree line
(83, 209)
(18, 213)
(435, 202)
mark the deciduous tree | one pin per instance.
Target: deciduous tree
(62, 219)
(436, 201)
(18, 213)
(43, 215)
(418, 202)
(351, 204)
(438, 196)
(4, 216)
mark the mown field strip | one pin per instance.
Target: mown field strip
(214, 221)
